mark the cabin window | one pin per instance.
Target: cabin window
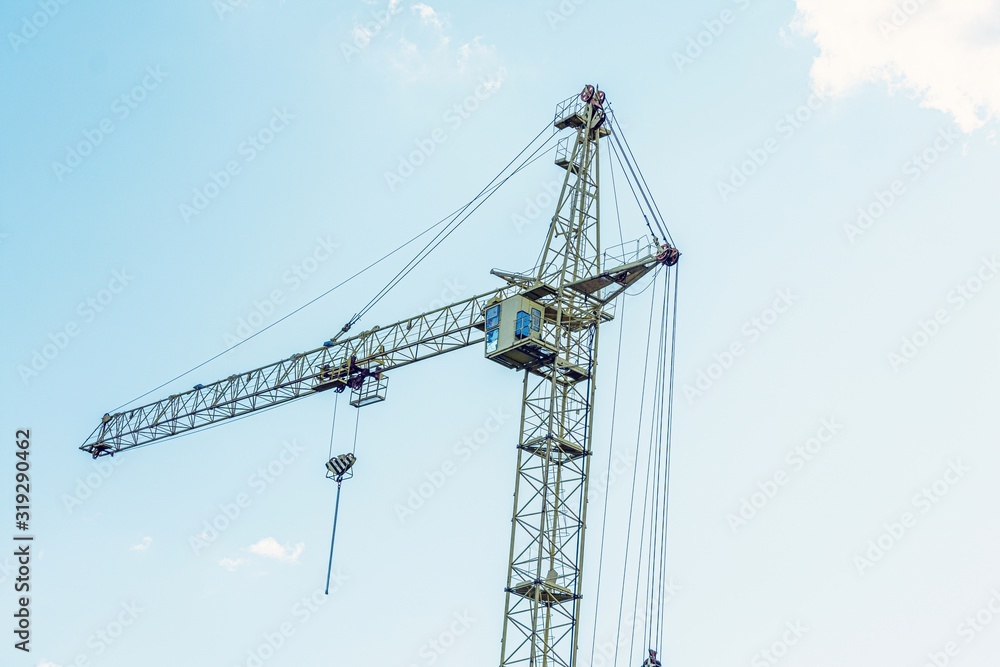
(522, 328)
(493, 317)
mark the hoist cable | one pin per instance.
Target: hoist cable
(670, 423)
(488, 190)
(614, 191)
(657, 576)
(656, 274)
(643, 186)
(638, 184)
(663, 222)
(628, 534)
(607, 485)
(340, 481)
(333, 426)
(458, 218)
(617, 155)
(357, 426)
(660, 437)
(333, 538)
(645, 508)
(654, 473)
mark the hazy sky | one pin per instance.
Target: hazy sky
(178, 176)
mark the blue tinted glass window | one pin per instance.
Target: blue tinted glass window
(536, 319)
(493, 317)
(492, 339)
(522, 328)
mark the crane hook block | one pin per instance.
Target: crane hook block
(652, 660)
(339, 466)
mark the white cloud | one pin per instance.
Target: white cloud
(142, 546)
(419, 45)
(428, 16)
(363, 32)
(944, 53)
(271, 548)
(232, 564)
(475, 56)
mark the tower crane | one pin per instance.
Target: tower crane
(543, 323)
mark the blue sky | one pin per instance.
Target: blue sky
(177, 175)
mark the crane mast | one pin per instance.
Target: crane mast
(544, 323)
(553, 463)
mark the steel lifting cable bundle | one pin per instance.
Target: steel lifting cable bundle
(651, 582)
(451, 222)
(646, 563)
(626, 158)
(650, 576)
(657, 590)
(455, 221)
(631, 507)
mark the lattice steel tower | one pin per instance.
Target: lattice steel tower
(547, 533)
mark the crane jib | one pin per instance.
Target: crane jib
(341, 366)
